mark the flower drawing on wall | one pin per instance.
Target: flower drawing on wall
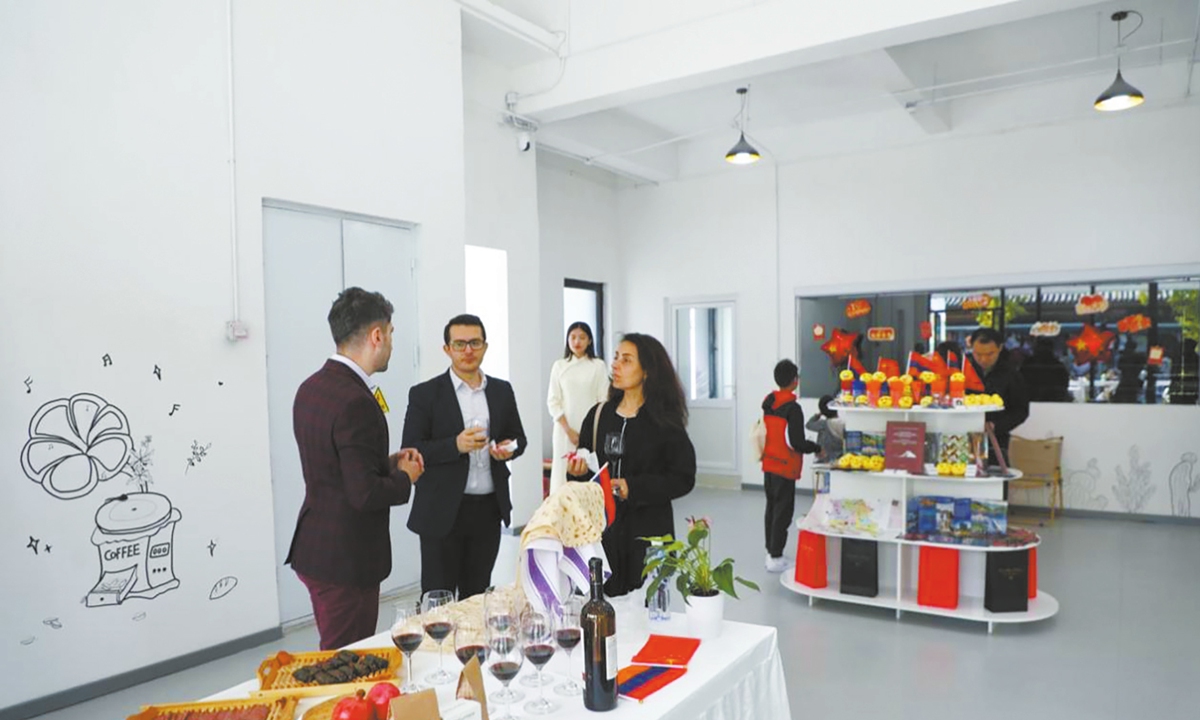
(76, 443)
(1079, 488)
(1133, 488)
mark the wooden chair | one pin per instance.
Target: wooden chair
(1040, 462)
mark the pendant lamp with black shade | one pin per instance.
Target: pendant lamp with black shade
(1120, 95)
(742, 153)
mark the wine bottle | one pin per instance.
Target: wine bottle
(599, 623)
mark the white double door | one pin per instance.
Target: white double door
(309, 256)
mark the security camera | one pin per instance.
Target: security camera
(524, 142)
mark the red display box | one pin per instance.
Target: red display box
(937, 577)
(810, 560)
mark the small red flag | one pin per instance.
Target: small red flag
(973, 382)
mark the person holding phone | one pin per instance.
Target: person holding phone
(640, 432)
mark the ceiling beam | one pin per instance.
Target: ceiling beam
(512, 24)
(754, 40)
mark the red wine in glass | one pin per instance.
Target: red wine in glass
(408, 642)
(465, 653)
(568, 638)
(505, 670)
(438, 630)
(539, 654)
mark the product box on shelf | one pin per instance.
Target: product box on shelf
(860, 567)
(937, 577)
(1006, 582)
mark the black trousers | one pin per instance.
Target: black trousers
(462, 561)
(781, 506)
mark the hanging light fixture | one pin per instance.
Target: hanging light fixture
(742, 153)
(1121, 95)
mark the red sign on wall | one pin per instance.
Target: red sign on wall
(1155, 356)
(982, 301)
(881, 334)
(818, 331)
(926, 330)
(858, 308)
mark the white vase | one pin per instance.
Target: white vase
(705, 615)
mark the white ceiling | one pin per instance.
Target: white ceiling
(1044, 69)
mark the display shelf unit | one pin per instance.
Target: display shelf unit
(898, 558)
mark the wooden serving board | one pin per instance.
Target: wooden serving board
(324, 711)
(283, 708)
(275, 673)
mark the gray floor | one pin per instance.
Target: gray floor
(1126, 643)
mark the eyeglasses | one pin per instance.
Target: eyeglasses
(460, 345)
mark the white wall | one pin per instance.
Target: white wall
(502, 213)
(577, 213)
(114, 234)
(1109, 195)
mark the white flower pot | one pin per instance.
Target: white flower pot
(705, 615)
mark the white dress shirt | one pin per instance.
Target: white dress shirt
(473, 404)
(353, 366)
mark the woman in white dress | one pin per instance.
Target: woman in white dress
(578, 381)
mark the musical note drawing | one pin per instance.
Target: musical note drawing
(28, 385)
(107, 359)
(174, 408)
(158, 372)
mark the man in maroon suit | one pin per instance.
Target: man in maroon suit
(341, 549)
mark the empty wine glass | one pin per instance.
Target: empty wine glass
(567, 633)
(537, 638)
(469, 641)
(438, 625)
(614, 449)
(498, 611)
(407, 634)
(505, 658)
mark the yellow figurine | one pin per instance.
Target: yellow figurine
(846, 375)
(926, 401)
(959, 469)
(880, 376)
(885, 401)
(861, 400)
(866, 377)
(856, 462)
(906, 379)
(998, 401)
(958, 377)
(906, 402)
(943, 468)
(928, 377)
(844, 462)
(876, 463)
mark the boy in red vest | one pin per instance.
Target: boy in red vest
(782, 460)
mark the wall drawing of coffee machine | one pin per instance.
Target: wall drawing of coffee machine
(135, 536)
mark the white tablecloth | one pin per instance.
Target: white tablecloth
(737, 675)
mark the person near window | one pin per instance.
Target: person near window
(467, 427)
(578, 380)
(1130, 364)
(341, 548)
(782, 460)
(1045, 375)
(640, 433)
(993, 367)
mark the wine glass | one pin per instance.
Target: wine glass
(614, 449)
(469, 642)
(567, 634)
(407, 634)
(497, 611)
(537, 639)
(536, 680)
(438, 626)
(481, 455)
(505, 658)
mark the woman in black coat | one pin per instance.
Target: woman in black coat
(644, 421)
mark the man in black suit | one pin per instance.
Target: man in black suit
(341, 547)
(464, 496)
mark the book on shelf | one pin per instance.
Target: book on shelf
(904, 447)
(860, 567)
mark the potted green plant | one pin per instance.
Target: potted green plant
(702, 584)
